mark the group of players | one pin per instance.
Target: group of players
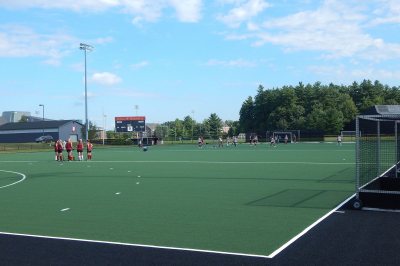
(229, 141)
(60, 145)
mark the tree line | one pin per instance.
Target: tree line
(188, 128)
(328, 108)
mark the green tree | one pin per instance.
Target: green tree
(188, 125)
(161, 131)
(92, 131)
(214, 125)
(23, 119)
(246, 119)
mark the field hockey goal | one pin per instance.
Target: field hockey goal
(281, 136)
(378, 160)
(348, 136)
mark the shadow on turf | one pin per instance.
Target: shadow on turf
(302, 198)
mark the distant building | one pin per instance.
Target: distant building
(225, 129)
(29, 131)
(150, 128)
(17, 116)
(14, 116)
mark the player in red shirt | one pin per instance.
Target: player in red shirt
(79, 148)
(60, 149)
(56, 150)
(89, 150)
(69, 148)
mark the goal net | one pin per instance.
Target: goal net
(283, 136)
(348, 136)
(377, 160)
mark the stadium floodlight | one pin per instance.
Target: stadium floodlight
(192, 124)
(104, 127)
(42, 105)
(86, 48)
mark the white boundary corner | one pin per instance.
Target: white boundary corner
(279, 250)
(134, 245)
(272, 255)
(9, 185)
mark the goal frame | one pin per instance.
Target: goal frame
(377, 177)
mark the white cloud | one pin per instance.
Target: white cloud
(22, 41)
(140, 64)
(335, 28)
(141, 10)
(94, 5)
(103, 40)
(105, 78)
(243, 12)
(387, 12)
(19, 41)
(123, 92)
(347, 74)
(188, 10)
(231, 63)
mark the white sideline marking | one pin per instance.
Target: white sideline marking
(9, 185)
(215, 162)
(276, 252)
(18, 161)
(117, 193)
(136, 245)
(63, 210)
(379, 210)
(272, 255)
(342, 212)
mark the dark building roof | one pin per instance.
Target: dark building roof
(35, 125)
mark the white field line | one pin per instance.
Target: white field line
(379, 210)
(276, 252)
(18, 161)
(388, 170)
(233, 150)
(134, 245)
(340, 212)
(216, 162)
(9, 185)
(198, 162)
(272, 255)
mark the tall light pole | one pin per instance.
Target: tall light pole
(104, 128)
(85, 48)
(42, 105)
(192, 123)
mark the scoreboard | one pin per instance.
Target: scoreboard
(130, 124)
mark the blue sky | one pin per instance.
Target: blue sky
(174, 58)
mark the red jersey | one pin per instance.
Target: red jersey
(89, 147)
(79, 147)
(59, 146)
(68, 146)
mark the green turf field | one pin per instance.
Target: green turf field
(244, 200)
